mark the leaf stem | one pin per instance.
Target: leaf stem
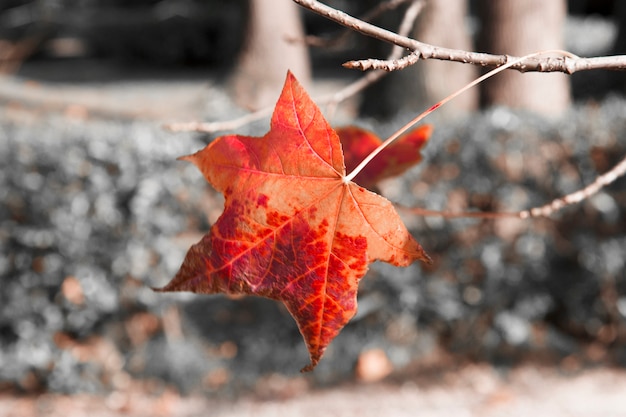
(434, 107)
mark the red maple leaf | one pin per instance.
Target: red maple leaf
(395, 159)
(293, 229)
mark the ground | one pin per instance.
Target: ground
(475, 390)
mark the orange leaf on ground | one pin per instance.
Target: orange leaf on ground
(395, 159)
(292, 230)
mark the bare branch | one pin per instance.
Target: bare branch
(211, 127)
(383, 7)
(385, 65)
(546, 210)
(410, 15)
(566, 64)
(339, 40)
(580, 195)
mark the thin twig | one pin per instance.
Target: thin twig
(580, 195)
(386, 64)
(383, 7)
(410, 15)
(211, 127)
(339, 40)
(566, 64)
(546, 210)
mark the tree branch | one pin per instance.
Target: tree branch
(211, 127)
(410, 15)
(580, 195)
(546, 210)
(340, 39)
(568, 65)
(386, 64)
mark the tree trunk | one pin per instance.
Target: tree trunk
(517, 28)
(267, 53)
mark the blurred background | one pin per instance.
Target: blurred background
(95, 210)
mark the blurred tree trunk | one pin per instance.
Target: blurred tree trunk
(441, 23)
(518, 27)
(267, 54)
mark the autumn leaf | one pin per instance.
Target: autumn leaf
(293, 229)
(395, 159)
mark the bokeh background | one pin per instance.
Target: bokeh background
(95, 210)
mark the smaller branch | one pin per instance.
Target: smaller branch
(546, 210)
(339, 40)
(333, 100)
(410, 15)
(382, 8)
(321, 42)
(211, 127)
(578, 196)
(385, 65)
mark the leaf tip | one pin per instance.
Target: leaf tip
(426, 130)
(290, 78)
(188, 158)
(309, 367)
